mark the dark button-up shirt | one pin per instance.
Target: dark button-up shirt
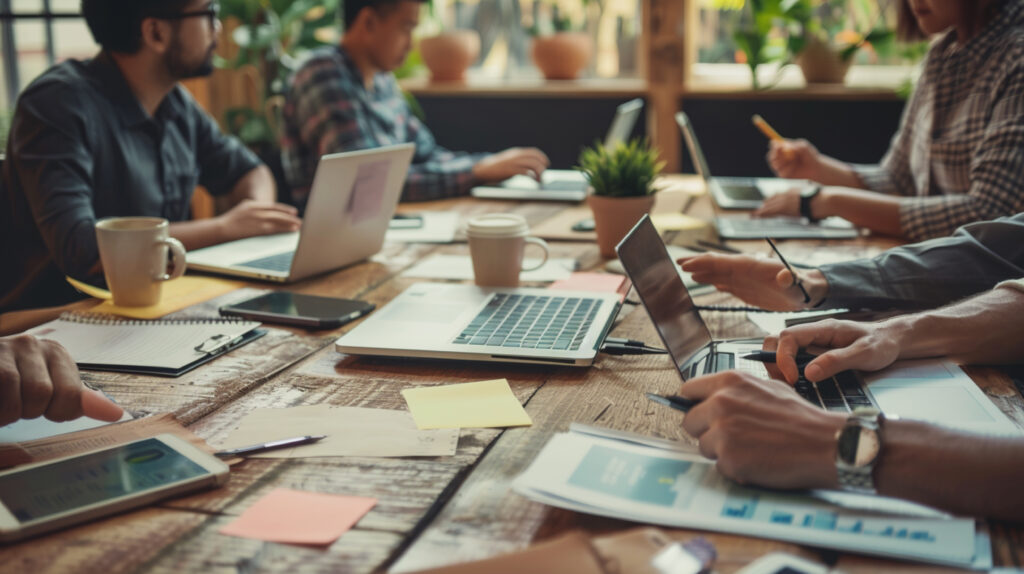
(82, 148)
(329, 110)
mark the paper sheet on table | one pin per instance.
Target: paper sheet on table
(487, 404)
(774, 323)
(177, 294)
(350, 431)
(672, 488)
(297, 517)
(438, 227)
(677, 222)
(461, 267)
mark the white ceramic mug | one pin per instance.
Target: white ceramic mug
(134, 255)
(496, 245)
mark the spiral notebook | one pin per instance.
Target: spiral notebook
(165, 348)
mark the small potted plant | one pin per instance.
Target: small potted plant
(622, 188)
(560, 51)
(450, 51)
(829, 39)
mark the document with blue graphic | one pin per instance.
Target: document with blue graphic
(672, 487)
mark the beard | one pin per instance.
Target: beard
(180, 69)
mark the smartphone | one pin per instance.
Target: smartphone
(584, 225)
(50, 495)
(289, 308)
(401, 221)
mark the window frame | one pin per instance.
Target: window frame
(8, 43)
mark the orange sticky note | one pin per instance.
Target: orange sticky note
(297, 517)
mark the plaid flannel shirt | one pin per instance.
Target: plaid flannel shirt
(328, 110)
(959, 152)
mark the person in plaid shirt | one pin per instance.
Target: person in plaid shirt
(345, 98)
(958, 156)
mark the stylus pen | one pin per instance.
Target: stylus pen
(272, 445)
(796, 278)
(674, 401)
(769, 357)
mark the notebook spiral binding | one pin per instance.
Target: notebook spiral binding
(108, 319)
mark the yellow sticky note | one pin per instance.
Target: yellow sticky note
(177, 294)
(676, 222)
(296, 517)
(486, 404)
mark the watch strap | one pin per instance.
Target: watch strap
(805, 203)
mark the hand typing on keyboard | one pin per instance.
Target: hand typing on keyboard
(863, 346)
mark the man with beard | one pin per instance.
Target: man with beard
(118, 136)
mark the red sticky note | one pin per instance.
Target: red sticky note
(296, 517)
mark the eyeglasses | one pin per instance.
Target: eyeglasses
(210, 13)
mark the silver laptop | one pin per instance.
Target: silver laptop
(350, 205)
(564, 184)
(749, 193)
(932, 390)
(518, 325)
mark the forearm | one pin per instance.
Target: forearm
(863, 208)
(984, 329)
(258, 184)
(834, 172)
(971, 475)
(200, 233)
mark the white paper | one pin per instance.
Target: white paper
(438, 227)
(460, 267)
(677, 489)
(349, 431)
(774, 323)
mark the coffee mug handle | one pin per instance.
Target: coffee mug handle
(177, 259)
(543, 245)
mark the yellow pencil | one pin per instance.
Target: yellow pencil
(766, 129)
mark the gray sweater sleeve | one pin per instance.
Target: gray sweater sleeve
(931, 273)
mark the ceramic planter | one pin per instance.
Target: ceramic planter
(449, 54)
(821, 64)
(562, 56)
(614, 217)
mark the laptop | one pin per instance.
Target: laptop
(465, 322)
(931, 390)
(749, 193)
(732, 192)
(353, 197)
(564, 184)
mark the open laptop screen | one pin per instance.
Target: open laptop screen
(662, 292)
(696, 153)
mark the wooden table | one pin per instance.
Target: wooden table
(431, 511)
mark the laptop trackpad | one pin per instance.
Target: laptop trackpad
(420, 313)
(944, 404)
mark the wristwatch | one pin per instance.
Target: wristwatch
(805, 203)
(858, 446)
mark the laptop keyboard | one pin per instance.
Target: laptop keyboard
(531, 322)
(280, 262)
(841, 393)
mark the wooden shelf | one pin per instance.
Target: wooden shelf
(528, 88)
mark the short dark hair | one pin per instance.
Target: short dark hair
(348, 10)
(116, 25)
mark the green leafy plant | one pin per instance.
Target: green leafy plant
(840, 24)
(627, 171)
(758, 33)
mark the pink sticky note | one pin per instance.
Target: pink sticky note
(296, 517)
(367, 197)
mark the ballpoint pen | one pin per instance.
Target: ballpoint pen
(272, 445)
(796, 278)
(769, 357)
(674, 401)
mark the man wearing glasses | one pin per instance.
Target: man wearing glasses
(117, 136)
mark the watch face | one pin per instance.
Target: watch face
(846, 446)
(867, 447)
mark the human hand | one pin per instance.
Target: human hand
(785, 203)
(514, 161)
(40, 378)
(795, 159)
(765, 283)
(861, 346)
(762, 432)
(252, 217)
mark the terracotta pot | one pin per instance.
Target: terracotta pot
(821, 64)
(562, 56)
(449, 54)
(614, 217)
